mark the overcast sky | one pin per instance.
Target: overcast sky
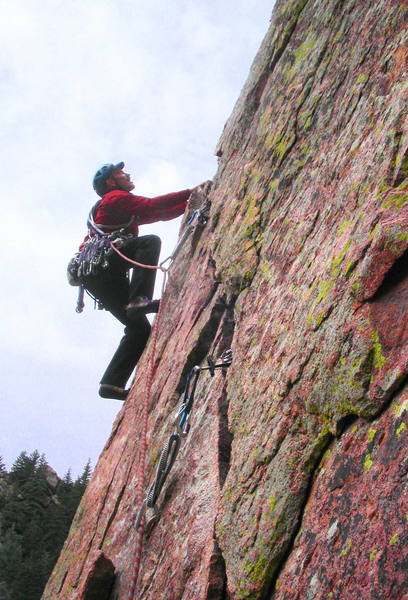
(84, 83)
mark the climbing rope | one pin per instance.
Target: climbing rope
(134, 262)
(140, 480)
(89, 263)
(197, 217)
(168, 456)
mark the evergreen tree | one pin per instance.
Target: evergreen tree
(3, 486)
(34, 522)
(11, 554)
(67, 479)
(82, 481)
(24, 467)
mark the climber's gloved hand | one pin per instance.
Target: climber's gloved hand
(198, 195)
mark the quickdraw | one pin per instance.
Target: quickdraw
(198, 217)
(182, 424)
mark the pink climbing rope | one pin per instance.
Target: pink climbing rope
(140, 475)
(140, 480)
(134, 262)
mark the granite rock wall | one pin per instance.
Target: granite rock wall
(292, 481)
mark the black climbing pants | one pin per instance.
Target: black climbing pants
(112, 287)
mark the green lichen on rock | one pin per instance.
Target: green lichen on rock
(337, 260)
(346, 549)
(368, 462)
(371, 434)
(379, 359)
(400, 429)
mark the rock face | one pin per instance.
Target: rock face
(290, 484)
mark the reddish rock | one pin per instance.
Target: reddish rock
(353, 540)
(302, 269)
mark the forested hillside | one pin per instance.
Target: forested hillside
(36, 510)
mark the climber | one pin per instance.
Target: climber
(127, 300)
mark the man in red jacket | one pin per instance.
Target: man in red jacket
(128, 301)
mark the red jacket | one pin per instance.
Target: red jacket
(118, 207)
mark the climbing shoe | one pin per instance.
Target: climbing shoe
(142, 306)
(112, 391)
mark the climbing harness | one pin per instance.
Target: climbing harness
(95, 252)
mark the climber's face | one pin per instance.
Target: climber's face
(120, 179)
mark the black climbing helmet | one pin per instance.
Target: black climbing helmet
(102, 174)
